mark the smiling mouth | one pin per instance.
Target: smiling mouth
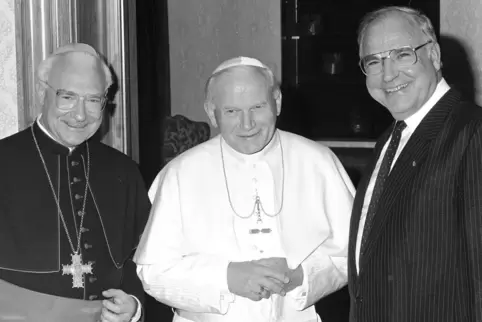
(396, 89)
(249, 136)
(76, 127)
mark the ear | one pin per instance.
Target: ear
(277, 98)
(435, 56)
(209, 108)
(40, 89)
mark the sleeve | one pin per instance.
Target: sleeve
(195, 282)
(471, 207)
(325, 269)
(138, 314)
(140, 211)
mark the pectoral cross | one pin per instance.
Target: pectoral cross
(257, 210)
(77, 270)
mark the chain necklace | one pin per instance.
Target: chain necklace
(76, 269)
(258, 205)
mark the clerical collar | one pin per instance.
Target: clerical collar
(48, 143)
(40, 125)
(255, 157)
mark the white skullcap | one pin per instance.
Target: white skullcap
(239, 61)
(76, 48)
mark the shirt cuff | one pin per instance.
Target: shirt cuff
(299, 295)
(225, 297)
(138, 314)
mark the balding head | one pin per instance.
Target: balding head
(74, 51)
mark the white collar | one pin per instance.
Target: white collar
(414, 120)
(40, 125)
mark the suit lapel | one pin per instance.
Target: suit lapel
(410, 160)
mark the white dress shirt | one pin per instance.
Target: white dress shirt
(412, 122)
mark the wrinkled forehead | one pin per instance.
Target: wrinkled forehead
(391, 31)
(78, 69)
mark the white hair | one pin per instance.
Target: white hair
(415, 16)
(45, 66)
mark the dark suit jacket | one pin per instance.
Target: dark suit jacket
(423, 257)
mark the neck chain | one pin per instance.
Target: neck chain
(57, 201)
(258, 205)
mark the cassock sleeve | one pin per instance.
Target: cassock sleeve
(140, 205)
(195, 282)
(325, 269)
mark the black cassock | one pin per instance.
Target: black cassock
(33, 242)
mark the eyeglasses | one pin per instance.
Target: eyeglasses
(67, 100)
(401, 57)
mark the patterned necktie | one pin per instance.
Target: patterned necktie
(382, 177)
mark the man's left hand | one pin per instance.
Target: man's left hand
(280, 264)
(120, 307)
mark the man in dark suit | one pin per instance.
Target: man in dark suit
(415, 251)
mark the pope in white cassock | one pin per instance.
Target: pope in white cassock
(252, 225)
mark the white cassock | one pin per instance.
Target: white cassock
(194, 231)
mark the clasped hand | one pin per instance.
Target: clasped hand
(259, 279)
(120, 307)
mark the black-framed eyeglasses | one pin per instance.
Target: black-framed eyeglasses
(68, 100)
(401, 57)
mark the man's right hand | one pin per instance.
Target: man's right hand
(255, 281)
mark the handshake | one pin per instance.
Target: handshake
(259, 279)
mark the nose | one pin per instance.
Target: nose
(390, 70)
(79, 110)
(247, 121)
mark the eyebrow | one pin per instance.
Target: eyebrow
(67, 91)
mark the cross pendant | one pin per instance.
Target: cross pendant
(258, 211)
(77, 270)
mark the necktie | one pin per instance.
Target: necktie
(382, 177)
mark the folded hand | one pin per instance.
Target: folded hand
(281, 265)
(120, 307)
(255, 281)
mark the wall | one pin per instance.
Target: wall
(8, 70)
(204, 33)
(461, 25)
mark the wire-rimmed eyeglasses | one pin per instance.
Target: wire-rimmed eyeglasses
(68, 100)
(401, 57)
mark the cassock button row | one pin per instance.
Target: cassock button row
(77, 196)
(93, 297)
(79, 213)
(84, 230)
(87, 246)
(74, 163)
(75, 180)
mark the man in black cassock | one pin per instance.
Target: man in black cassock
(71, 208)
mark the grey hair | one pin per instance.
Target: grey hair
(45, 66)
(416, 16)
(267, 73)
